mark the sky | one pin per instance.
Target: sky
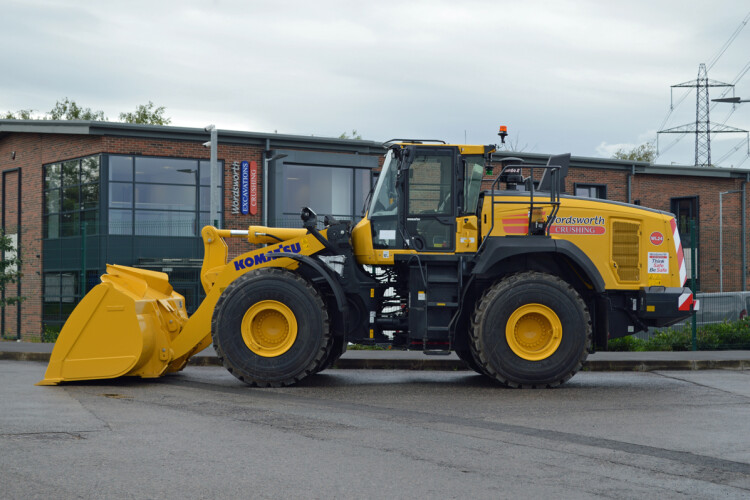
(585, 77)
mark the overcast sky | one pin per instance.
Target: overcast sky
(579, 76)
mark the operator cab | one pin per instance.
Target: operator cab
(421, 190)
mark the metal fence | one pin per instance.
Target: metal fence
(719, 256)
(716, 262)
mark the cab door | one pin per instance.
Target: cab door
(430, 201)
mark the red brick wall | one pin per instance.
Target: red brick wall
(29, 151)
(10, 184)
(615, 180)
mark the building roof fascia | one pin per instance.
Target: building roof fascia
(628, 166)
(277, 141)
(44, 127)
(313, 143)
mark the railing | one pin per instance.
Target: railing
(537, 223)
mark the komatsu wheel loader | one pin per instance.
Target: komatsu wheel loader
(519, 280)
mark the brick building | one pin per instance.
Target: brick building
(76, 195)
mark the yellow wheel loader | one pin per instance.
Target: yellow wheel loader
(520, 280)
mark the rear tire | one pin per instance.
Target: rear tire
(270, 328)
(531, 330)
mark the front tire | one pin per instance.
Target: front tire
(531, 330)
(270, 328)
(467, 356)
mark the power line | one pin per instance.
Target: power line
(726, 45)
(737, 78)
(743, 161)
(702, 128)
(662, 151)
(713, 61)
(732, 151)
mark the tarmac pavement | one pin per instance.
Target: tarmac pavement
(416, 360)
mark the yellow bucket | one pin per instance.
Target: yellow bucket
(124, 326)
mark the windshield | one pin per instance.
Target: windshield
(385, 197)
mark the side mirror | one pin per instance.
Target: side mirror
(309, 217)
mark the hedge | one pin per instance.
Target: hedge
(733, 335)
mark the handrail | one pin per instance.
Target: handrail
(554, 199)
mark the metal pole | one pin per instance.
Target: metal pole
(721, 241)
(693, 266)
(265, 182)
(213, 196)
(744, 235)
(630, 183)
(83, 261)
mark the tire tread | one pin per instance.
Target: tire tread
(318, 360)
(500, 287)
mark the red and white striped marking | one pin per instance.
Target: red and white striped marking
(685, 301)
(680, 256)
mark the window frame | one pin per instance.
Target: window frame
(694, 209)
(601, 190)
(360, 165)
(194, 218)
(80, 211)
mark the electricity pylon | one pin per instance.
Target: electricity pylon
(703, 127)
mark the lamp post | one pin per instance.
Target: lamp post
(733, 100)
(213, 196)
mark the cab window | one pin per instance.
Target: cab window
(430, 177)
(473, 175)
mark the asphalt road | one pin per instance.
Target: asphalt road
(376, 434)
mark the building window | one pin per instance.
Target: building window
(60, 295)
(159, 196)
(685, 210)
(330, 184)
(71, 197)
(591, 190)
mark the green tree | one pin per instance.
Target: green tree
(10, 268)
(644, 152)
(146, 114)
(21, 114)
(69, 110)
(354, 135)
(66, 109)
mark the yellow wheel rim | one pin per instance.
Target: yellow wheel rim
(533, 332)
(269, 328)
